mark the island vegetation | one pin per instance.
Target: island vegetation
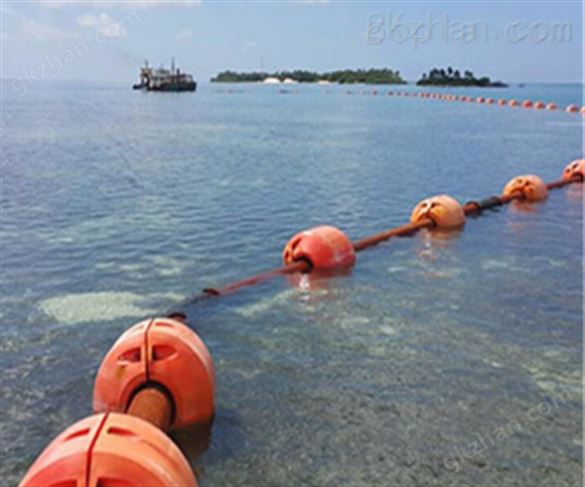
(452, 77)
(345, 76)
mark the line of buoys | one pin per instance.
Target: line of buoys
(157, 376)
(328, 248)
(539, 105)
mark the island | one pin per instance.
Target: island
(451, 77)
(346, 76)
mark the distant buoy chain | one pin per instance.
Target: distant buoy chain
(538, 105)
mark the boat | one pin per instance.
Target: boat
(165, 80)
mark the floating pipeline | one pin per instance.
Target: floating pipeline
(328, 248)
(158, 376)
(539, 105)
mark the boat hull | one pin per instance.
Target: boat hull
(174, 87)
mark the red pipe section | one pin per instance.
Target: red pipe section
(153, 405)
(407, 229)
(300, 266)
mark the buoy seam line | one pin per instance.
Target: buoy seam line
(91, 447)
(362, 244)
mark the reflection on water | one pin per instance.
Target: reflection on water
(318, 281)
(115, 206)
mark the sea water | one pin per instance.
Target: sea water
(450, 359)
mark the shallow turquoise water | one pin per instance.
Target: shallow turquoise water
(116, 205)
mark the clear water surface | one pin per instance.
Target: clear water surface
(118, 204)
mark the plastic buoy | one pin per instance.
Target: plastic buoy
(583, 110)
(110, 450)
(572, 109)
(575, 168)
(502, 102)
(444, 210)
(163, 352)
(324, 247)
(551, 106)
(513, 103)
(527, 104)
(539, 105)
(531, 187)
(489, 101)
(480, 99)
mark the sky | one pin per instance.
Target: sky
(109, 40)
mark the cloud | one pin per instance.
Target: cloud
(183, 35)
(160, 3)
(41, 31)
(103, 24)
(104, 4)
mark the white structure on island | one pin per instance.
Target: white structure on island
(271, 81)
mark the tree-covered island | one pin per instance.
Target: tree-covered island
(346, 76)
(451, 77)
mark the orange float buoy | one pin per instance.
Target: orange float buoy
(575, 168)
(531, 187)
(502, 102)
(527, 104)
(480, 99)
(572, 109)
(445, 211)
(164, 352)
(324, 247)
(110, 449)
(489, 101)
(551, 106)
(512, 103)
(539, 105)
(583, 110)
